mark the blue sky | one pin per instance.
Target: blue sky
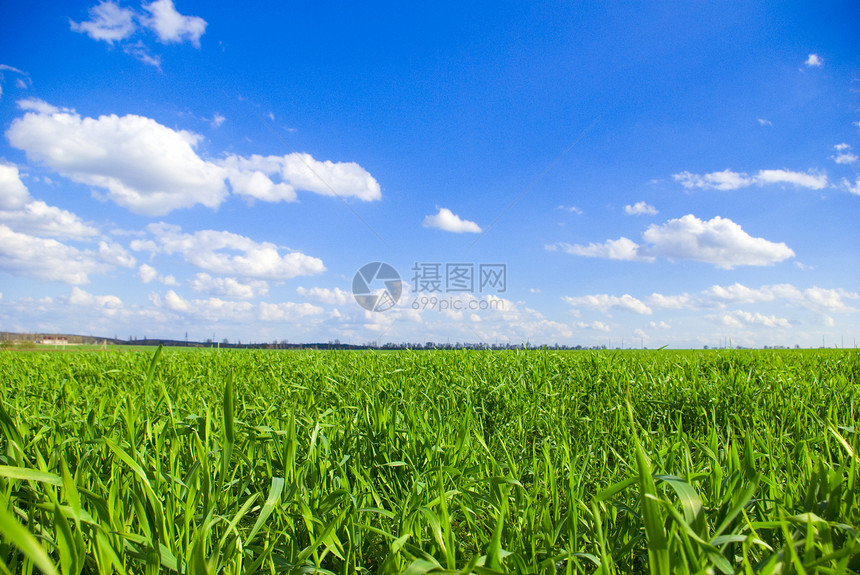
(667, 174)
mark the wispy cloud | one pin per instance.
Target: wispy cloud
(640, 208)
(843, 154)
(111, 23)
(729, 180)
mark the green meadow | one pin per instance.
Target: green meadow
(216, 461)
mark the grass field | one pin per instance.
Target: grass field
(207, 461)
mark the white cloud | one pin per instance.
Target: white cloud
(108, 22)
(144, 166)
(147, 273)
(450, 222)
(814, 298)
(620, 249)
(152, 170)
(594, 325)
(13, 192)
(47, 259)
(286, 311)
(214, 251)
(23, 214)
(250, 177)
(81, 298)
(217, 120)
(212, 309)
(814, 61)
(813, 181)
(762, 122)
(738, 293)
(228, 287)
(571, 209)
(854, 189)
(738, 319)
(39, 219)
(334, 296)
(172, 27)
(718, 241)
(253, 177)
(342, 179)
(725, 180)
(680, 301)
(141, 52)
(40, 106)
(606, 302)
(729, 180)
(116, 255)
(844, 155)
(659, 324)
(640, 208)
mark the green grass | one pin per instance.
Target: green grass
(207, 461)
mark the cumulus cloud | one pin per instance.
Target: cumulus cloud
(605, 303)
(216, 252)
(640, 208)
(814, 61)
(448, 221)
(142, 165)
(719, 241)
(729, 180)
(228, 287)
(342, 179)
(334, 296)
(853, 188)
(47, 259)
(152, 170)
(170, 26)
(13, 192)
(108, 22)
(762, 122)
(252, 177)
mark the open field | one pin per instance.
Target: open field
(208, 461)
